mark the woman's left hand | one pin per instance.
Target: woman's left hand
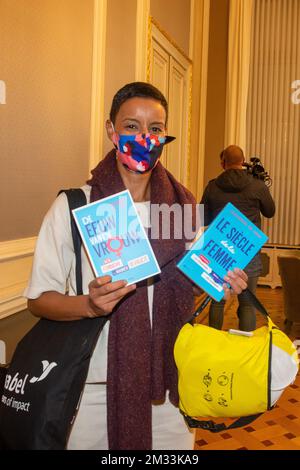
(237, 279)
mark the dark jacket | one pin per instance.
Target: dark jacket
(250, 195)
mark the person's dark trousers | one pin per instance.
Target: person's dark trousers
(246, 312)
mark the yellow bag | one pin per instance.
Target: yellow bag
(227, 373)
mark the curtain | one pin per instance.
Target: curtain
(273, 115)
(239, 46)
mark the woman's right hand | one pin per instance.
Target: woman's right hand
(104, 295)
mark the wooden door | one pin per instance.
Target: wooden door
(170, 72)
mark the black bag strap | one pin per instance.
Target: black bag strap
(243, 420)
(255, 302)
(214, 427)
(247, 293)
(76, 198)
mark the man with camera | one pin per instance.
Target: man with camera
(247, 191)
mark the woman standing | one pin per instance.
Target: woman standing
(130, 398)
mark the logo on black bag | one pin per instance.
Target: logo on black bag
(17, 384)
(47, 367)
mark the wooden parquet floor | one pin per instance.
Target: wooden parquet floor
(278, 429)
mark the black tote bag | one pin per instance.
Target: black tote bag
(44, 381)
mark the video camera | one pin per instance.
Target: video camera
(256, 169)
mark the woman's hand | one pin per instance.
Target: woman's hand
(237, 279)
(104, 295)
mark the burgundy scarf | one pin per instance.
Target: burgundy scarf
(141, 367)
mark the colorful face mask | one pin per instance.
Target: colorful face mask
(140, 152)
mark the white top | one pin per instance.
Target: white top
(53, 269)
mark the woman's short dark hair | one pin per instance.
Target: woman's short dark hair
(133, 90)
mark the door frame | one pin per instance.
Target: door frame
(165, 41)
(198, 52)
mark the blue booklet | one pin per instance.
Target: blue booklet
(115, 239)
(231, 241)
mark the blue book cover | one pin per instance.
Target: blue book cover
(230, 241)
(115, 239)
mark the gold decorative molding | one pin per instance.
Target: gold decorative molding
(153, 22)
(199, 43)
(190, 98)
(149, 48)
(170, 39)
